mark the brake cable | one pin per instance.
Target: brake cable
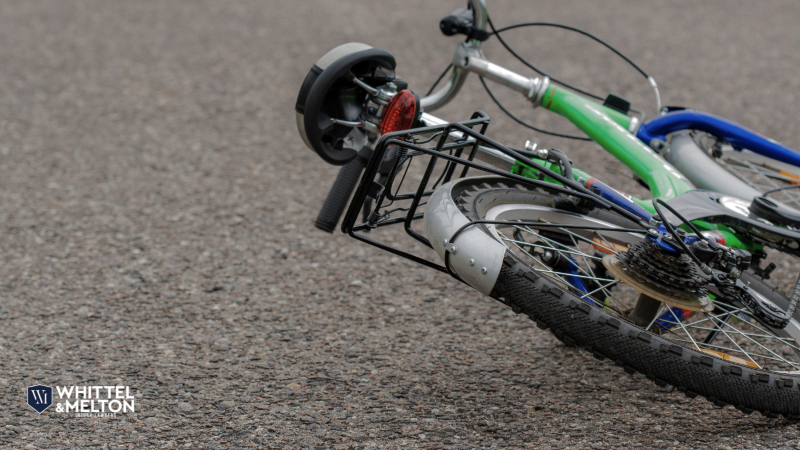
(524, 124)
(677, 238)
(650, 80)
(450, 66)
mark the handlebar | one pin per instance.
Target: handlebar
(480, 14)
(468, 58)
(480, 17)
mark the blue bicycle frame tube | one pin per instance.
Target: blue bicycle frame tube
(739, 136)
(618, 198)
(576, 281)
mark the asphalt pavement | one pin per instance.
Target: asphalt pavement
(156, 228)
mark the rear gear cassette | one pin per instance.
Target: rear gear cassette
(674, 273)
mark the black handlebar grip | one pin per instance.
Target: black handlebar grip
(341, 191)
(461, 21)
(458, 22)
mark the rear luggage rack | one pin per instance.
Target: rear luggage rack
(457, 144)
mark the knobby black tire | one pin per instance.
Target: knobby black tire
(578, 323)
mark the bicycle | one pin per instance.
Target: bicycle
(653, 286)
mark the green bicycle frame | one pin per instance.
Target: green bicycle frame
(609, 128)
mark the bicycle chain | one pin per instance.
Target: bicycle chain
(766, 313)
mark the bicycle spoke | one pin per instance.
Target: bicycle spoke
(758, 343)
(784, 340)
(681, 324)
(738, 175)
(588, 277)
(603, 288)
(561, 248)
(743, 310)
(572, 235)
(531, 244)
(610, 246)
(609, 295)
(733, 350)
(736, 344)
(734, 331)
(759, 172)
(658, 314)
(740, 350)
(765, 173)
(545, 238)
(749, 336)
(589, 267)
(536, 260)
(713, 332)
(591, 242)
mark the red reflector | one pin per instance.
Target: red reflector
(400, 112)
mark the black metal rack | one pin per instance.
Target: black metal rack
(443, 146)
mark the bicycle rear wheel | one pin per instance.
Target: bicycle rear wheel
(555, 275)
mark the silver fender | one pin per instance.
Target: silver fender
(477, 257)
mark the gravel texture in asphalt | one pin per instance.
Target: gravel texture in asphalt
(156, 210)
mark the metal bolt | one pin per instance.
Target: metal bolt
(471, 262)
(652, 232)
(657, 144)
(483, 270)
(668, 236)
(444, 242)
